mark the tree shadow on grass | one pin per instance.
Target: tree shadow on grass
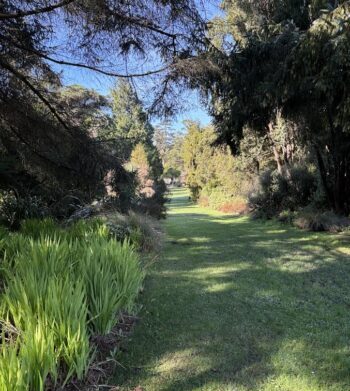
(238, 304)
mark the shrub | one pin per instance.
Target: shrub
(153, 205)
(64, 207)
(236, 206)
(326, 221)
(220, 199)
(120, 232)
(15, 209)
(204, 201)
(142, 231)
(195, 192)
(286, 216)
(279, 193)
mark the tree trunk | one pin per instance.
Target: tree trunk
(324, 178)
(283, 166)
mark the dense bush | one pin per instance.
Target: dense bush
(321, 221)
(218, 199)
(151, 189)
(213, 175)
(153, 205)
(14, 209)
(277, 192)
(145, 232)
(60, 288)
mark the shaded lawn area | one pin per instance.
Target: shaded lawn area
(235, 304)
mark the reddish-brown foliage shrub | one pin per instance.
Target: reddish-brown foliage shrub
(236, 206)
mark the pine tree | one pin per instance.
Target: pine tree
(130, 123)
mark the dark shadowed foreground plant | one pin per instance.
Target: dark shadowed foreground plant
(15, 209)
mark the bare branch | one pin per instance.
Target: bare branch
(37, 11)
(21, 77)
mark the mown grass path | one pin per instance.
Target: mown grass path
(238, 305)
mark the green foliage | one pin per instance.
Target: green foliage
(61, 287)
(15, 209)
(130, 123)
(172, 173)
(151, 189)
(196, 153)
(120, 231)
(12, 375)
(139, 159)
(277, 193)
(116, 286)
(212, 173)
(48, 131)
(163, 139)
(88, 108)
(315, 79)
(59, 166)
(35, 228)
(174, 157)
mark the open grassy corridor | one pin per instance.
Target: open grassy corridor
(235, 304)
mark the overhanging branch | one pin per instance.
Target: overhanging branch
(37, 11)
(84, 66)
(21, 77)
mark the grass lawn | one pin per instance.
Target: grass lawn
(235, 304)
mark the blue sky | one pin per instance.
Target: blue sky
(103, 84)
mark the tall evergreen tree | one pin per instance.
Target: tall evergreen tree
(130, 122)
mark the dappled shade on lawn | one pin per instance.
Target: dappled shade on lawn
(236, 304)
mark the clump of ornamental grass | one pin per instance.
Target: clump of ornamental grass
(60, 288)
(144, 232)
(112, 279)
(36, 228)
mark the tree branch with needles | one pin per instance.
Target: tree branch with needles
(24, 79)
(37, 11)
